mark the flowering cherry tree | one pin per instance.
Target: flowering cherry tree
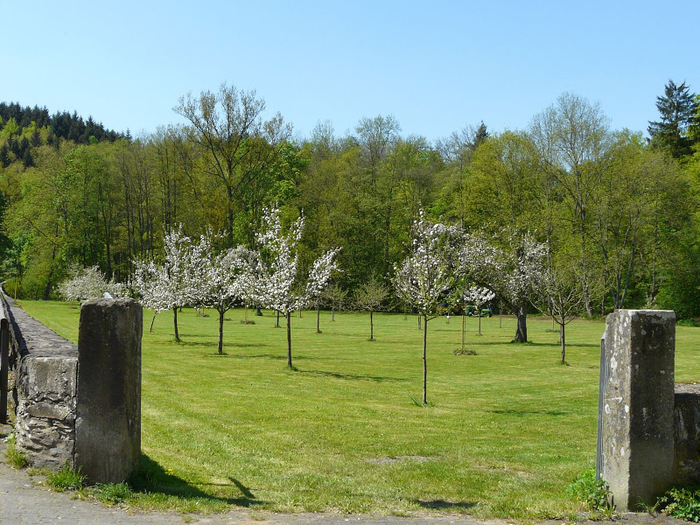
(217, 280)
(166, 286)
(512, 268)
(89, 283)
(478, 296)
(271, 284)
(428, 273)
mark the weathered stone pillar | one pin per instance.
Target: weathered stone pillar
(638, 404)
(108, 424)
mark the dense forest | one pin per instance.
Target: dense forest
(619, 209)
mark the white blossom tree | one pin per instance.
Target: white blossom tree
(167, 286)
(150, 282)
(90, 283)
(478, 296)
(512, 267)
(218, 280)
(429, 272)
(272, 283)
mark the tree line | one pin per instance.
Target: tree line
(618, 211)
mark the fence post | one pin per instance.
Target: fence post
(637, 423)
(108, 405)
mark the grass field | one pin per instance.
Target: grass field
(505, 432)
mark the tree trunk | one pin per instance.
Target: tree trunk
(289, 339)
(479, 315)
(177, 333)
(521, 331)
(153, 321)
(464, 329)
(563, 343)
(425, 362)
(419, 325)
(318, 318)
(333, 313)
(258, 312)
(221, 332)
(371, 325)
(278, 320)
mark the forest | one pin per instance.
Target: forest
(617, 208)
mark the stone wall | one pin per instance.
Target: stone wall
(687, 433)
(45, 369)
(80, 405)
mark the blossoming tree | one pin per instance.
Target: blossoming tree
(479, 296)
(272, 283)
(512, 267)
(166, 286)
(217, 280)
(429, 272)
(89, 283)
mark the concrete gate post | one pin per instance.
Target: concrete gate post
(637, 423)
(108, 405)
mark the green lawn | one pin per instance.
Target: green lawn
(505, 433)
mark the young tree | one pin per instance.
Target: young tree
(272, 283)
(427, 274)
(334, 295)
(218, 280)
(150, 282)
(90, 283)
(560, 296)
(369, 296)
(167, 286)
(478, 296)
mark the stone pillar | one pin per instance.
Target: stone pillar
(638, 405)
(108, 424)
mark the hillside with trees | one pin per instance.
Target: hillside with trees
(619, 212)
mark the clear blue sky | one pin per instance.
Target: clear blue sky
(436, 66)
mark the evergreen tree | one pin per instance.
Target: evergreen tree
(678, 109)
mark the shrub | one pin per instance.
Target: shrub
(593, 492)
(683, 503)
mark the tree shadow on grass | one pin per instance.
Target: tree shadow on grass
(151, 478)
(440, 504)
(353, 377)
(521, 413)
(277, 357)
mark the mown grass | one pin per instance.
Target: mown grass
(505, 433)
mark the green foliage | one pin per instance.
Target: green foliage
(113, 493)
(591, 491)
(65, 478)
(16, 457)
(681, 502)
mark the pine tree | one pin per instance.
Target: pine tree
(678, 108)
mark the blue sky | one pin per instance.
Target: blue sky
(436, 66)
